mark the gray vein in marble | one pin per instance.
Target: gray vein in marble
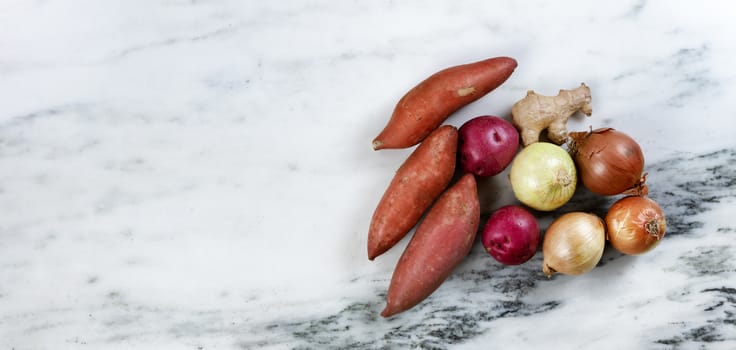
(694, 78)
(722, 310)
(635, 10)
(124, 53)
(14, 121)
(693, 190)
(708, 260)
(685, 69)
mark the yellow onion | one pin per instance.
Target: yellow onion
(609, 161)
(635, 225)
(573, 244)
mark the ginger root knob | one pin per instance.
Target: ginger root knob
(535, 112)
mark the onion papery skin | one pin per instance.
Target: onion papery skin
(573, 244)
(635, 225)
(609, 162)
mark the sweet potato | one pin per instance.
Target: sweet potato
(428, 104)
(442, 240)
(417, 183)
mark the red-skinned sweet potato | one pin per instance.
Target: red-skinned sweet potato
(428, 104)
(417, 183)
(442, 240)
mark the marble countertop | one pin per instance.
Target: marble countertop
(199, 174)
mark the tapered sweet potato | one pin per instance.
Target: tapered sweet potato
(417, 183)
(442, 240)
(428, 104)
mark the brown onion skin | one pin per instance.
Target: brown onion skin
(609, 161)
(635, 225)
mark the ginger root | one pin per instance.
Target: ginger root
(534, 113)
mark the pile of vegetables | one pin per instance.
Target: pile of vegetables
(543, 177)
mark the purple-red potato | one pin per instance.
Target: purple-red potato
(440, 243)
(487, 144)
(511, 235)
(428, 104)
(417, 183)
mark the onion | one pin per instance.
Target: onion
(573, 244)
(635, 225)
(609, 161)
(543, 176)
(511, 235)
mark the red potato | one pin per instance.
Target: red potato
(428, 104)
(511, 235)
(486, 145)
(417, 183)
(440, 243)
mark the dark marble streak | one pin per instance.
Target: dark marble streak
(439, 321)
(684, 185)
(723, 311)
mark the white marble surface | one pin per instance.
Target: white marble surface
(199, 174)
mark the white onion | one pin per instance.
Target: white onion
(543, 176)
